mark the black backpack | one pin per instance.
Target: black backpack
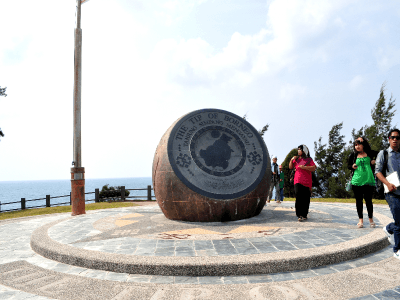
(379, 184)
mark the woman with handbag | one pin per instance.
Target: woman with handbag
(361, 162)
(302, 180)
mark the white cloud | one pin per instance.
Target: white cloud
(289, 92)
(387, 57)
(247, 57)
(140, 75)
(356, 82)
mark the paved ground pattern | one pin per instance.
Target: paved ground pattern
(142, 231)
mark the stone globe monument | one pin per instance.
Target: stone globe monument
(211, 165)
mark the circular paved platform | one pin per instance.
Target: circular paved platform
(24, 274)
(143, 241)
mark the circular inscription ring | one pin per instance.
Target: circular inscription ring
(217, 154)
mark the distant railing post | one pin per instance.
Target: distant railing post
(47, 200)
(96, 195)
(149, 192)
(122, 193)
(70, 200)
(22, 203)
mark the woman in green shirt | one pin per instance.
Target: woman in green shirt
(363, 181)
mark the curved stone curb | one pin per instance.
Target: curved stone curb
(375, 279)
(209, 266)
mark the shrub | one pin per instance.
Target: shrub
(112, 193)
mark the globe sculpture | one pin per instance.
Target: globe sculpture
(211, 165)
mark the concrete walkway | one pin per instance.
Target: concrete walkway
(136, 253)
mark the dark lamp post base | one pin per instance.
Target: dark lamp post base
(77, 191)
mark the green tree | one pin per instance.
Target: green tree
(329, 159)
(382, 115)
(2, 93)
(344, 172)
(287, 185)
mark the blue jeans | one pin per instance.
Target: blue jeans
(281, 193)
(271, 189)
(394, 228)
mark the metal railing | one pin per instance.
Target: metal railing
(96, 193)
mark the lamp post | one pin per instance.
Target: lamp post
(77, 171)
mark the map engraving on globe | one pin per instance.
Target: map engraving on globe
(217, 154)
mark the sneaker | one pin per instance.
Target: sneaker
(389, 236)
(397, 254)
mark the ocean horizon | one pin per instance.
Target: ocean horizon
(13, 191)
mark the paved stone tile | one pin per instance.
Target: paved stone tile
(259, 278)
(184, 249)
(145, 251)
(185, 253)
(324, 270)
(162, 279)
(165, 244)
(203, 245)
(267, 249)
(147, 243)
(138, 278)
(342, 266)
(235, 280)
(226, 251)
(165, 249)
(210, 280)
(372, 258)
(222, 243)
(303, 274)
(126, 251)
(387, 295)
(61, 267)
(282, 276)
(94, 274)
(368, 297)
(240, 243)
(8, 294)
(358, 262)
(260, 242)
(129, 246)
(186, 280)
(246, 250)
(184, 243)
(75, 270)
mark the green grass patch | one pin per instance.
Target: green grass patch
(61, 209)
(351, 200)
(105, 205)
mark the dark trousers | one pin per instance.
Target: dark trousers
(303, 195)
(394, 228)
(364, 192)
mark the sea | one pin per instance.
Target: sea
(11, 192)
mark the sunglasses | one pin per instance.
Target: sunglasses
(394, 137)
(357, 142)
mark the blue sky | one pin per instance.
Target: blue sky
(300, 65)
